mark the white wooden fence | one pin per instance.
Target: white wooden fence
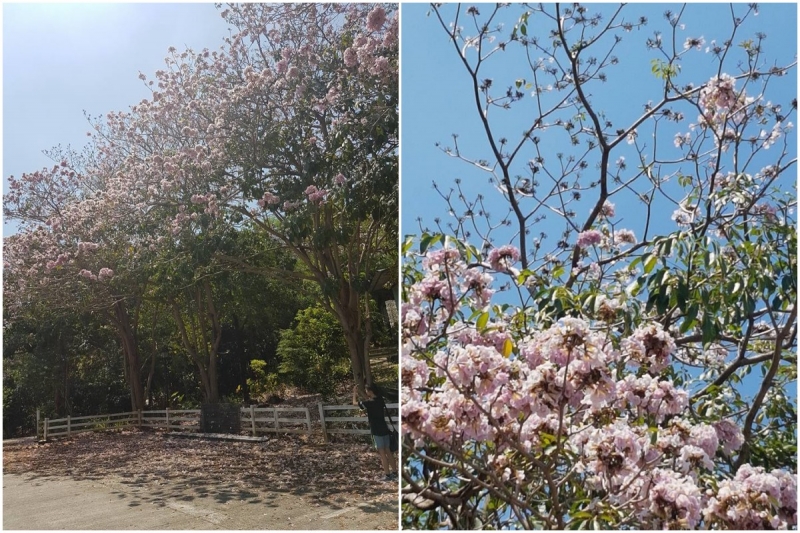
(276, 419)
(171, 419)
(254, 420)
(78, 424)
(353, 417)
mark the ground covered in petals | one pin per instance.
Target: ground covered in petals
(343, 473)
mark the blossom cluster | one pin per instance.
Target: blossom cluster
(605, 398)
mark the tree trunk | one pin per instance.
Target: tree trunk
(202, 350)
(148, 387)
(349, 314)
(367, 341)
(130, 352)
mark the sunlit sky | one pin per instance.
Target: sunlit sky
(60, 60)
(437, 100)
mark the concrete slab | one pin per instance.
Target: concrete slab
(35, 502)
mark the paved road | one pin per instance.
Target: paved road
(31, 502)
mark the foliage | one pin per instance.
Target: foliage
(262, 382)
(157, 223)
(614, 376)
(313, 352)
(61, 365)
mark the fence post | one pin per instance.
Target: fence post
(275, 416)
(322, 421)
(46, 423)
(253, 418)
(168, 428)
(37, 424)
(139, 418)
(69, 424)
(308, 420)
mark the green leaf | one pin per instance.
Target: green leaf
(482, 321)
(408, 243)
(427, 240)
(523, 276)
(709, 330)
(682, 294)
(690, 319)
(650, 263)
(508, 347)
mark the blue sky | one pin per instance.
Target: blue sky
(437, 100)
(62, 59)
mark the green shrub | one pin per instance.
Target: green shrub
(262, 382)
(314, 354)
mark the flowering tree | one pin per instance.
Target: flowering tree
(75, 255)
(607, 381)
(292, 127)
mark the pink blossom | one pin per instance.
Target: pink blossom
(594, 270)
(435, 259)
(719, 93)
(376, 19)
(694, 42)
(480, 283)
(624, 236)
(649, 395)
(681, 217)
(705, 437)
(588, 238)
(675, 500)
(380, 66)
(318, 196)
(608, 210)
(282, 66)
(87, 274)
(754, 499)
(729, 435)
(87, 247)
(268, 199)
(350, 58)
(503, 257)
(649, 346)
(340, 179)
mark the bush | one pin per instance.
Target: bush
(314, 354)
(262, 382)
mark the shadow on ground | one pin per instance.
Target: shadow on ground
(153, 468)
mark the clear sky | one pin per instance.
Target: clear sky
(437, 100)
(60, 60)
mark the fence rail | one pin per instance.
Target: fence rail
(254, 420)
(344, 424)
(79, 424)
(172, 419)
(276, 420)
